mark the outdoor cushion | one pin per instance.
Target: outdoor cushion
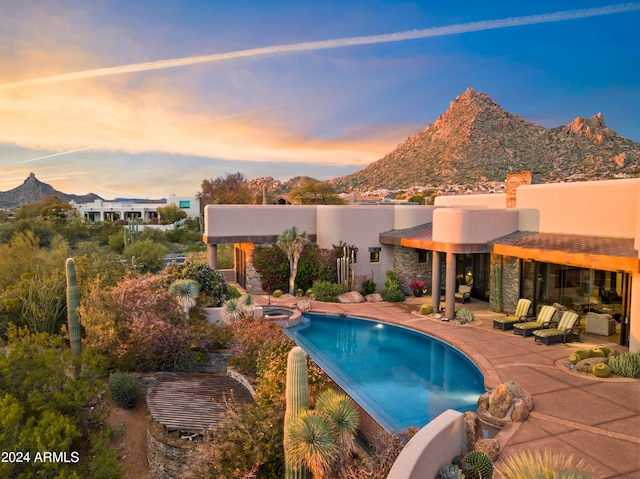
(545, 315)
(507, 322)
(564, 331)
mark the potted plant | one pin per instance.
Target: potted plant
(418, 288)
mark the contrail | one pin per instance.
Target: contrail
(63, 153)
(337, 43)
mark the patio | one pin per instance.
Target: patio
(597, 420)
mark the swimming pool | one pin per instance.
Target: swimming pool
(400, 377)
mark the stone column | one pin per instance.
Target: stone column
(212, 255)
(450, 299)
(435, 281)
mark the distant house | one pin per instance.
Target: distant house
(103, 210)
(570, 243)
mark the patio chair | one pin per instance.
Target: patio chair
(542, 321)
(565, 331)
(520, 315)
(463, 293)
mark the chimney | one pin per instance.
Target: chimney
(517, 179)
(264, 194)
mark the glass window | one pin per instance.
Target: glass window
(374, 256)
(185, 204)
(422, 256)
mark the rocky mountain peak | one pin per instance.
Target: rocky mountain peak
(32, 189)
(593, 128)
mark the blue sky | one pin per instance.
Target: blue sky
(323, 112)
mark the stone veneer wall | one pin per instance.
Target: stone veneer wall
(170, 458)
(406, 266)
(253, 278)
(518, 179)
(510, 283)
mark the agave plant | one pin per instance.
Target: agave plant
(185, 291)
(311, 444)
(232, 311)
(533, 465)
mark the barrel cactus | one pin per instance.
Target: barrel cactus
(604, 349)
(73, 301)
(297, 400)
(601, 370)
(596, 353)
(477, 465)
(426, 309)
(582, 353)
(464, 315)
(575, 359)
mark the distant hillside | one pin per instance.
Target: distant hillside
(476, 140)
(33, 189)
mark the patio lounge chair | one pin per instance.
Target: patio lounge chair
(463, 293)
(566, 330)
(520, 315)
(544, 318)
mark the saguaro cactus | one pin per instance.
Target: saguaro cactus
(297, 396)
(73, 300)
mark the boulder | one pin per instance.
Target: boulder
(373, 298)
(491, 447)
(518, 392)
(351, 297)
(586, 365)
(473, 429)
(304, 305)
(500, 401)
(520, 410)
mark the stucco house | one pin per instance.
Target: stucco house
(104, 210)
(570, 243)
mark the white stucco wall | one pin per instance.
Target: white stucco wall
(242, 220)
(498, 200)
(457, 225)
(602, 208)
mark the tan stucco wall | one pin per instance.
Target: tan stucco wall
(240, 220)
(498, 200)
(406, 216)
(457, 225)
(358, 225)
(602, 208)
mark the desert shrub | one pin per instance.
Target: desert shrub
(533, 465)
(273, 265)
(326, 291)
(385, 448)
(392, 295)
(212, 286)
(368, 286)
(392, 281)
(124, 389)
(626, 364)
(315, 264)
(145, 254)
(233, 293)
(464, 315)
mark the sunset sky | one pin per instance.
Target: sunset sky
(106, 96)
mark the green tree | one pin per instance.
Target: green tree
(229, 189)
(314, 192)
(145, 254)
(171, 213)
(292, 241)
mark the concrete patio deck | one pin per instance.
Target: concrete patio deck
(594, 420)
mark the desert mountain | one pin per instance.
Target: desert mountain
(477, 140)
(33, 189)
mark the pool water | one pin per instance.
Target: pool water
(400, 377)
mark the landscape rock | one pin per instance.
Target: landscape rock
(373, 298)
(586, 365)
(520, 410)
(473, 429)
(351, 297)
(500, 401)
(490, 447)
(518, 392)
(304, 305)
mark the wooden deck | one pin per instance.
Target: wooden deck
(192, 403)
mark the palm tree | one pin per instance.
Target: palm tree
(185, 291)
(311, 444)
(292, 241)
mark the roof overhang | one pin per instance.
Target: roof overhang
(594, 252)
(256, 239)
(421, 237)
